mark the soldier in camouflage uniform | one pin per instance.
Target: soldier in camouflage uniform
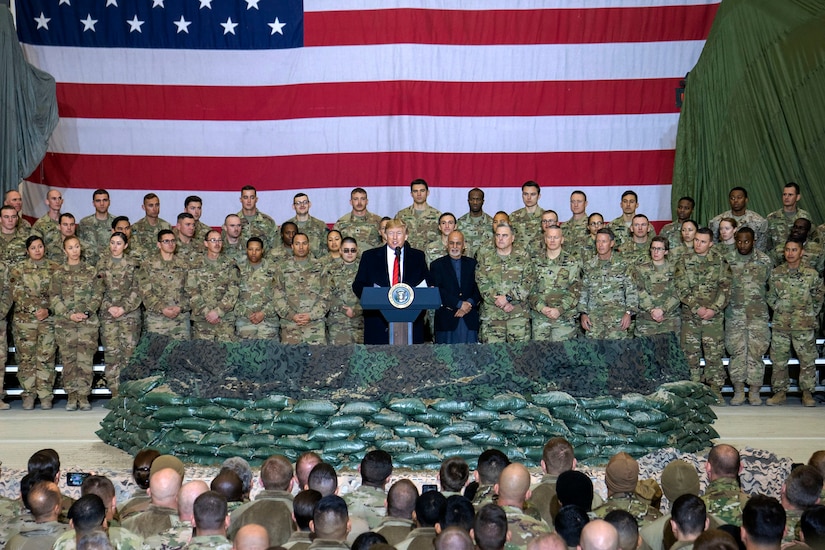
(438, 247)
(254, 222)
(193, 204)
(307, 291)
(94, 230)
(119, 315)
(780, 221)
(554, 298)
(332, 249)
(420, 217)
(369, 500)
(575, 229)
(795, 294)
(5, 306)
(14, 199)
(608, 298)
(12, 237)
(210, 512)
(345, 321)
(48, 226)
(234, 247)
(658, 301)
(723, 496)
(360, 224)
(66, 228)
(738, 200)
(161, 281)
(505, 277)
(33, 326)
(703, 284)
(636, 248)
(144, 238)
(747, 335)
(475, 224)
(212, 285)
(622, 225)
(621, 478)
(76, 292)
(512, 489)
(188, 248)
(813, 253)
(313, 228)
(260, 289)
(283, 248)
(88, 515)
(119, 538)
(684, 212)
(526, 221)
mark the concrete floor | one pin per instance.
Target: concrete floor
(790, 431)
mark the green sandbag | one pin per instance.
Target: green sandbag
(176, 435)
(407, 405)
(536, 414)
(649, 438)
(416, 459)
(229, 451)
(622, 426)
(231, 402)
(139, 388)
(199, 424)
(503, 402)
(172, 412)
(394, 446)
(191, 401)
(414, 430)
(634, 402)
(298, 443)
(217, 438)
(629, 448)
(159, 398)
(274, 402)
(319, 407)
(459, 428)
(440, 442)
(434, 418)
(514, 426)
(585, 450)
(234, 426)
(374, 432)
(282, 428)
(361, 408)
(462, 451)
(608, 414)
(325, 434)
(344, 446)
(682, 389)
(482, 416)
(605, 402)
(530, 440)
(306, 420)
(347, 422)
(554, 399)
(386, 417)
(255, 416)
(486, 438)
(650, 417)
(556, 429)
(668, 425)
(147, 423)
(587, 430)
(515, 454)
(451, 406)
(572, 414)
(614, 439)
(213, 412)
(255, 440)
(189, 449)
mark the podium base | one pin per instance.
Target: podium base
(401, 334)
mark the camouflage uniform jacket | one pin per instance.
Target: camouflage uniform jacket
(201, 229)
(190, 252)
(576, 234)
(174, 538)
(510, 275)
(120, 286)
(748, 219)
(162, 282)
(5, 301)
(49, 230)
(420, 538)
(212, 542)
(673, 233)
(328, 544)
(558, 284)
(363, 229)
(526, 226)
(422, 227)
(434, 250)
(780, 224)
(306, 289)
(638, 508)
(748, 287)
(478, 232)
(120, 538)
(621, 230)
(795, 296)
(270, 509)
(485, 494)
(95, 233)
(541, 496)
(299, 540)
(792, 529)
(316, 231)
(725, 500)
(76, 289)
(395, 529)
(260, 225)
(522, 527)
(607, 289)
(213, 284)
(36, 536)
(260, 289)
(656, 288)
(235, 252)
(144, 238)
(29, 282)
(634, 252)
(703, 281)
(13, 247)
(152, 521)
(368, 503)
(341, 276)
(813, 256)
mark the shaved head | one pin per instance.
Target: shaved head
(599, 535)
(513, 485)
(251, 537)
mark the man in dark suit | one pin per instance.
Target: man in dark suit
(456, 321)
(377, 268)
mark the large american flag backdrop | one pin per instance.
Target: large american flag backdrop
(204, 96)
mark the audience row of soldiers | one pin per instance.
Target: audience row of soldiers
(540, 279)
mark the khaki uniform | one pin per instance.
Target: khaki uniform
(260, 288)
(213, 285)
(363, 229)
(161, 285)
(119, 335)
(510, 275)
(306, 290)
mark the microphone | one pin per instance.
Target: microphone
(397, 251)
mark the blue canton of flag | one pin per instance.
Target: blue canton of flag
(173, 24)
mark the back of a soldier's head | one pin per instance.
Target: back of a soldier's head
(210, 512)
(142, 465)
(242, 469)
(45, 500)
(45, 463)
(599, 535)
(276, 473)
(763, 521)
(87, 513)
(574, 487)
(323, 479)
(376, 468)
(429, 507)
(401, 499)
(547, 541)
(803, 487)
(96, 539)
(715, 539)
(490, 528)
(627, 527)
(569, 522)
(490, 464)
(557, 456)
(303, 507)
(458, 512)
(689, 514)
(723, 460)
(453, 474)
(367, 540)
(331, 518)
(453, 538)
(102, 487)
(229, 485)
(812, 526)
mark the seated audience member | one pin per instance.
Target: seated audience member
(94, 540)
(367, 540)
(763, 523)
(458, 512)
(453, 476)
(180, 533)
(162, 512)
(105, 489)
(230, 485)
(569, 523)
(428, 510)
(688, 520)
(800, 492)
(44, 501)
(251, 537)
(330, 523)
(369, 500)
(723, 496)
(303, 508)
(678, 478)
(272, 507)
(211, 521)
(599, 535)
(323, 479)
(715, 539)
(243, 470)
(303, 466)
(490, 528)
(490, 464)
(547, 541)
(399, 522)
(627, 528)
(621, 478)
(88, 514)
(513, 488)
(454, 538)
(141, 466)
(573, 487)
(812, 527)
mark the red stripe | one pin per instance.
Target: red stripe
(546, 98)
(622, 168)
(493, 27)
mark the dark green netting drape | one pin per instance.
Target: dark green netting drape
(28, 108)
(754, 110)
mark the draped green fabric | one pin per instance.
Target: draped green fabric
(28, 108)
(754, 113)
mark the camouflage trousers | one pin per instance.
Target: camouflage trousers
(343, 330)
(746, 345)
(77, 343)
(177, 328)
(606, 325)
(804, 344)
(645, 326)
(34, 342)
(699, 335)
(314, 332)
(224, 331)
(515, 329)
(120, 337)
(4, 353)
(265, 330)
(558, 330)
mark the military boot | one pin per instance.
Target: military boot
(71, 405)
(114, 391)
(753, 395)
(28, 402)
(46, 403)
(4, 406)
(738, 394)
(808, 399)
(83, 403)
(777, 399)
(717, 392)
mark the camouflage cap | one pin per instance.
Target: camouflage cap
(679, 478)
(622, 473)
(167, 461)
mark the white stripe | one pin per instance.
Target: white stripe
(365, 135)
(367, 63)
(330, 204)
(353, 5)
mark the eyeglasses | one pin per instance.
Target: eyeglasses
(213, 240)
(353, 250)
(167, 241)
(300, 203)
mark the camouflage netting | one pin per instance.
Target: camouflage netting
(205, 402)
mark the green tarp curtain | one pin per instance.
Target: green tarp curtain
(754, 113)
